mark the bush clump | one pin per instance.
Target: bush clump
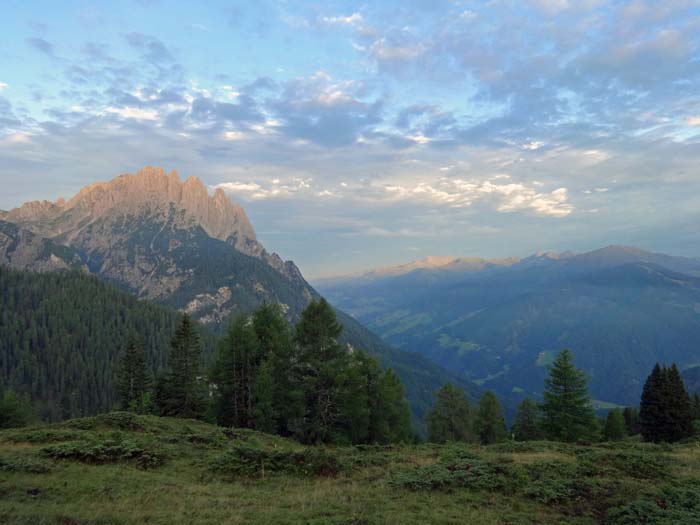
(465, 471)
(256, 462)
(110, 451)
(23, 464)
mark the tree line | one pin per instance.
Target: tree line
(294, 381)
(566, 413)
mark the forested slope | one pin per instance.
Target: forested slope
(61, 335)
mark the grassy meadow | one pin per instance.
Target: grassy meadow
(121, 468)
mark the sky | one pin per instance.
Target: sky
(358, 135)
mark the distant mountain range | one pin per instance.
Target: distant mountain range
(170, 241)
(500, 322)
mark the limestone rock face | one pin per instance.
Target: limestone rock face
(149, 191)
(23, 249)
(164, 238)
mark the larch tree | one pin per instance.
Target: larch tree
(450, 418)
(489, 424)
(567, 411)
(615, 428)
(527, 425)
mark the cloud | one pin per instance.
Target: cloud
(351, 20)
(41, 45)
(451, 193)
(133, 113)
(3, 85)
(153, 50)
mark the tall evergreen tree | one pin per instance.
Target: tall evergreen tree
(264, 412)
(450, 418)
(696, 406)
(392, 422)
(567, 411)
(490, 425)
(631, 416)
(318, 372)
(665, 410)
(679, 406)
(653, 416)
(134, 379)
(180, 391)
(235, 372)
(527, 425)
(275, 341)
(615, 428)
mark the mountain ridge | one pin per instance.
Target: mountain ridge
(201, 257)
(619, 309)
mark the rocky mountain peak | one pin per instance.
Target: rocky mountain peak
(150, 191)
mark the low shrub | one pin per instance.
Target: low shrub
(23, 464)
(502, 475)
(109, 451)
(256, 462)
(637, 464)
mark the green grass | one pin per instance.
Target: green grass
(120, 468)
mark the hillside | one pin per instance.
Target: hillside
(122, 468)
(618, 309)
(61, 335)
(169, 241)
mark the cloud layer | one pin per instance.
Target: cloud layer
(379, 130)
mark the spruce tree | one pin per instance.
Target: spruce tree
(527, 425)
(450, 418)
(653, 416)
(134, 379)
(567, 411)
(678, 405)
(180, 391)
(615, 428)
(490, 425)
(665, 410)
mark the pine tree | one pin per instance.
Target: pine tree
(696, 406)
(450, 418)
(318, 373)
(180, 391)
(631, 416)
(527, 425)
(489, 424)
(134, 380)
(567, 411)
(615, 428)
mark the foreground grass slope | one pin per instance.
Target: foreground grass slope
(122, 468)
